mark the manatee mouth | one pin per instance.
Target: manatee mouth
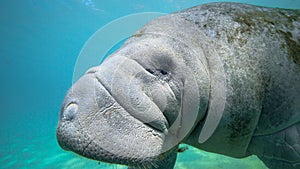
(71, 138)
(101, 129)
(85, 146)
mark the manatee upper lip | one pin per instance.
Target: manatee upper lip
(160, 129)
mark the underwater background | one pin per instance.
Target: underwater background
(40, 41)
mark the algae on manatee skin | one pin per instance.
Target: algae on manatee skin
(256, 22)
(293, 47)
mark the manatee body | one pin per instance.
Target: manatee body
(222, 77)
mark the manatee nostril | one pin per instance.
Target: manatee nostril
(70, 111)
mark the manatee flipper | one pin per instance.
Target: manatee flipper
(279, 150)
(166, 162)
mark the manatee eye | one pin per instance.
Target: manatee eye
(157, 71)
(160, 74)
(163, 72)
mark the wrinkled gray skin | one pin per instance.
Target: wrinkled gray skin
(160, 88)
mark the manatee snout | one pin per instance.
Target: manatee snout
(78, 103)
(109, 111)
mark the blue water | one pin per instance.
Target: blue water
(40, 42)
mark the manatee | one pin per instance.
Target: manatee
(221, 77)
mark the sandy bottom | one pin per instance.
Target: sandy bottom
(45, 153)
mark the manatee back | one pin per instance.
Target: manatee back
(260, 50)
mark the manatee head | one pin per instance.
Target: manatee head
(129, 110)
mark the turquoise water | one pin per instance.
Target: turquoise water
(40, 42)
